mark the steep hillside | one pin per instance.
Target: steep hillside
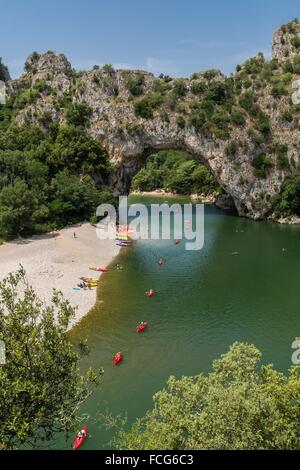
(245, 127)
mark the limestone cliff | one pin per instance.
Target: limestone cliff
(245, 128)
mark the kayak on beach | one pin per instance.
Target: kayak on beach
(99, 270)
(124, 244)
(89, 279)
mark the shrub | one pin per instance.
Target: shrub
(288, 202)
(279, 90)
(261, 164)
(238, 118)
(145, 106)
(78, 114)
(286, 116)
(283, 162)
(108, 68)
(180, 122)
(247, 100)
(135, 84)
(211, 74)
(179, 88)
(198, 87)
(197, 120)
(296, 42)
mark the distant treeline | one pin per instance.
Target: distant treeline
(177, 172)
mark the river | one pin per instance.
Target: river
(242, 286)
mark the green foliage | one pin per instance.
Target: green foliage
(288, 202)
(108, 68)
(179, 88)
(287, 116)
(180, 122)
(211, 74)
(49, 179)
(254, 65)
(134, 83)
(296, 64)
(78, 114)
(281, 152)
(198, 87)
(41, 388)
(240, 405)
(174, 171)
(197, 120)
(238, 118)
(296, 42)
(145, 106)
(279, 90)
(261, 164)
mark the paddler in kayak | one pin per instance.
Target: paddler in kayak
(81, 434)
(150, 293)
(80, 438)
(142, 326)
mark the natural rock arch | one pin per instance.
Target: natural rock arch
(129, 134)
(129, 154)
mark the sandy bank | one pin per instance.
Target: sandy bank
(57, 260)
(202, 198)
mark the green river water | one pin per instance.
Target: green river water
(205, 301)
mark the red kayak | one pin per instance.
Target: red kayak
(142, 327)
(102, 270)
(150, 293)
(118, 358)
(80, 438)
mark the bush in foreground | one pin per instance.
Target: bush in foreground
(240, 405)
(41, 388)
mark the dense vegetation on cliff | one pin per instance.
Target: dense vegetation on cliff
(240, 405)
(245, 127)
(177, 172)
(50, 176)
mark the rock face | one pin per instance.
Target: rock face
(286, 41)
(129, 138)
(225, 202)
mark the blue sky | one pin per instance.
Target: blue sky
(175, 37)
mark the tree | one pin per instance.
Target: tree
(262, 165)
(17, 204)
(289, 200)
(240, 405)
(78, 114)
(41, 388)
